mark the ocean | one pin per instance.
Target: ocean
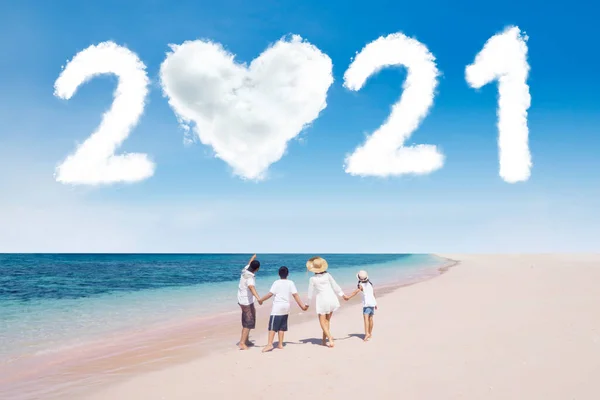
(50, 302)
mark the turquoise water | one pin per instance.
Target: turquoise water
(49, 302)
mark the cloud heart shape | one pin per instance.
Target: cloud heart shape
(247, 114)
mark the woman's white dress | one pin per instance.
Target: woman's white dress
(325, 288)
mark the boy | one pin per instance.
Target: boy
(281, 289)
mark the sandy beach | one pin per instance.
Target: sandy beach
(493, 327)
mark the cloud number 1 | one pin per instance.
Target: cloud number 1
(384, 154)
(504, 59)
(94, 162)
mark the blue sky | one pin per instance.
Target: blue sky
(194, 203)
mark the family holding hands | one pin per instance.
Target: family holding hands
(322, 286)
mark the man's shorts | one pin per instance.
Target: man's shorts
(248, 316)
(278, 323)
(369, 310)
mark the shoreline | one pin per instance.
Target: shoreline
(177, 343)
(498, 327)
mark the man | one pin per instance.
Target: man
(246, 294)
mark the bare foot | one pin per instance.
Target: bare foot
(280, 346)
(367, 337)
(324, 342)
(243, 347)
(330, 344)
(268, 347)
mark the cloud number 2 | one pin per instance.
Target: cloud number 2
(384, 154)
(94, 162)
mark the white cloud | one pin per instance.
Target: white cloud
(247, 114)
(384, 154)
(504, 58)
(94, 161)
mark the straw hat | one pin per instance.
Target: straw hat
(316, 265)
(362, 276)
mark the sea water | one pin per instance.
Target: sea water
(50, 302)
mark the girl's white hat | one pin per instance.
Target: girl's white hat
(362, 276)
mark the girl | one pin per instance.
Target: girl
(324, 286)
(368, 299)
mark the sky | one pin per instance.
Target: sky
(263, 166)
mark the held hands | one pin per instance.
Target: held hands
(305, 307)
(351, 296)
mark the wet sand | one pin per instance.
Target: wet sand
(75, 373)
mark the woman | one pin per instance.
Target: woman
(324, 286)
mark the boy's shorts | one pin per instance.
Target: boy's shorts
(278, 323)
(369, 310)
(248, 316)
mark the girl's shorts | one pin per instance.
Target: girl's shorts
(369, 310)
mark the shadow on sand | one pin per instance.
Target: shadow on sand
(313, 341)
(319, 341)
(360, 336)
